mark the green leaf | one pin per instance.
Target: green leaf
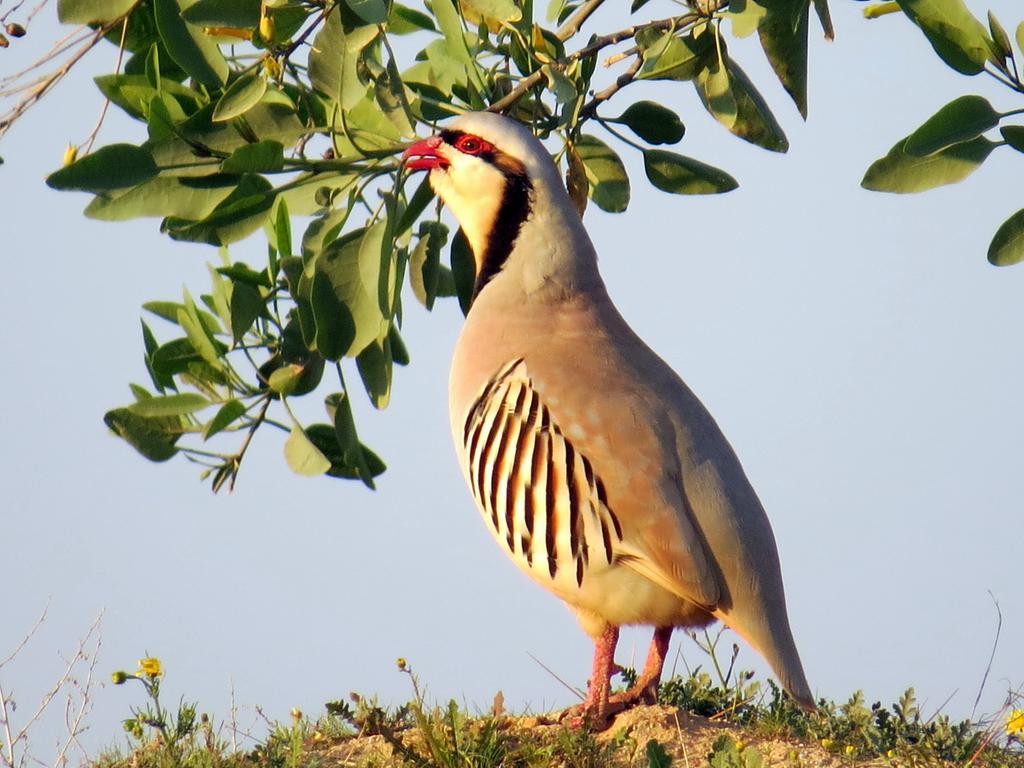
(667, 57)
(1020, 36)
(652, 122)
(463, 269)
(609, 184)
(246, 305)
(1013, 135)
(962, 119)
(450, 23)
(173, 358)
(1007, 245)
(154, 438)
(264, 156)
(717, 96)
(418, 203)
(202, 341)
(334, 61)
(374, 365)
(999, 37)
(499, 10)
(390, 93)
(425, 262)
(399, 352)
(229, 413)
(170, 405)
(743, 110)
(958, 38)
(902, 173)
(233, 14)
(115, 166)
(302, 456)
(240, 214)
(240, 272)
(405, 20)
(189, 46)
(133, 93)
(657, 757)
(370, 11)
(354, 455)
(239, 97)
(345, 293)
(746, 16)
(95, 12)
(783, 35)
(683, 175)
(184, 197)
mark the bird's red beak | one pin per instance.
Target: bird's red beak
(423, 155)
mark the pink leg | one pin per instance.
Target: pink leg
(646, 687)
(596, 703)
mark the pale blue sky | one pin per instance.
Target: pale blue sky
(856, 348)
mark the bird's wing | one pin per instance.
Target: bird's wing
(615, 473)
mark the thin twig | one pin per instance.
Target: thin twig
(49, 81)
(91, 139)
(992, 656)
(621, 82)
(31, 632)
(74, 723)
(578, 19)
(551, 672)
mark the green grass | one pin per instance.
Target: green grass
(361, 732)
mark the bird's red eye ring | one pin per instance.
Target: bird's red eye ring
(472, 145)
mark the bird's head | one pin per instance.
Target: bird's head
(495, 176)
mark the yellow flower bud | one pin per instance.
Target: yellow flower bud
(118, 678)
(874, 11)
(296, 714)
(267, 28)
(70, 154)
(402, 664)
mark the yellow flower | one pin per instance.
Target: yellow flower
(740, 745)
(317, 736)
(891, 754)
(267, 28)
(848, 749)
(1015, 724)
(150, 667)
(826, 743)
(296, 714)
(402, 663)
(70, 155)
(272, 68)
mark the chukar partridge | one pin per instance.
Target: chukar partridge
(594, 466)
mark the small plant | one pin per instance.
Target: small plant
(726, 752)
(162, 738)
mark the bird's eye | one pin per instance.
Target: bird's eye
(471, 145)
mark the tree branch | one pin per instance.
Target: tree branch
(590, 108)
(600, 43)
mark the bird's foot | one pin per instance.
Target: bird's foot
(593, 719)
(644, 692)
